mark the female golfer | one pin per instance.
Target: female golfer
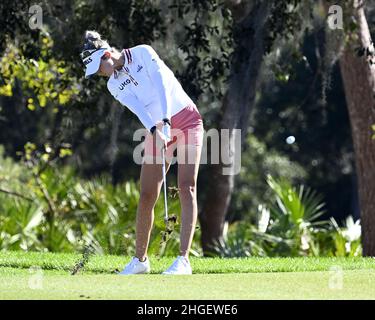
(141, 81)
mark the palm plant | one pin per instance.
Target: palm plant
(287, 225)
(294, 215)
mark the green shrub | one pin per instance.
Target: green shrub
(49, 208)
(288, 225)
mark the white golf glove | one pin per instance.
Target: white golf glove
(163, 132)
(166, 130)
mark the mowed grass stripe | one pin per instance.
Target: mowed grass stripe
(356, 284)
(107, 264)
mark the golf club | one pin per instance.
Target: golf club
(168, 220)
(165, 189)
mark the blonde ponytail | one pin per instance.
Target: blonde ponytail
(93, 40)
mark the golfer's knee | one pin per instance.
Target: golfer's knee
(148, 197)
(187, 189)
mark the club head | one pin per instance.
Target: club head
(172, 218)
(166, 235)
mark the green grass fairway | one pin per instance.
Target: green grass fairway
(248, 278)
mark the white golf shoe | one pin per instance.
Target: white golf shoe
(180, 266)
(136, 267)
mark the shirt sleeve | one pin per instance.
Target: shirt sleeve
(157, 72)
(134, 105)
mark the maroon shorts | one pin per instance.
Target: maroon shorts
(186, 129)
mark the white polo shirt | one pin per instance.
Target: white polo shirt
(147, 86)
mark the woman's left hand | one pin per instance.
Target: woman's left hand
(159, 136)
(159, 125)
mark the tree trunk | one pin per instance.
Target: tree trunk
(249, 19)
(359, 83)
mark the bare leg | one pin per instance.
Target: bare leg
(151, 182)
(187, 180)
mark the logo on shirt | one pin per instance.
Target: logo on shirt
(139, 68)
(124, 84)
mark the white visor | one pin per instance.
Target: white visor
(92, 62)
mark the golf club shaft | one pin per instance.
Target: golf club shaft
(165, 187)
